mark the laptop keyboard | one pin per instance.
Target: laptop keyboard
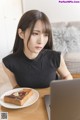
(47, 104)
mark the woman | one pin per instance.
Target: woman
(33, 63)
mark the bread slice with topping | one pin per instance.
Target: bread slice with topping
(19, 98)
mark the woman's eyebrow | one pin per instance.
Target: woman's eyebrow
(36, 30)
(39, 31)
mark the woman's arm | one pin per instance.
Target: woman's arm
(10, 75)
(63, 71)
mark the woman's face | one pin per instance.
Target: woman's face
(37, 40)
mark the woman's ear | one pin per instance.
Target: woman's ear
(21, 33)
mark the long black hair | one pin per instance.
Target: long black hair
(28, 20)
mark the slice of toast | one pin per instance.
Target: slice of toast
(18, 98)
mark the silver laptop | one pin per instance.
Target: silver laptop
(64, 101)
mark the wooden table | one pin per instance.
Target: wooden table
(37, 111)
(76, 75)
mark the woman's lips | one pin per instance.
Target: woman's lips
(38, 47)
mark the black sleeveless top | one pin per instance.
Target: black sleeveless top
(34, 73)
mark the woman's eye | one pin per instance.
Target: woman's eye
(46, 34)
(34, 33)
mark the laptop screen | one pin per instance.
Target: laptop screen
(65, 100)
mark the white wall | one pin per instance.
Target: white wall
(10, 13)
(56, 11)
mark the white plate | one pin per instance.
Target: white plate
(29, 102)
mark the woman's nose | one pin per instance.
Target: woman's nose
(40, 40)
